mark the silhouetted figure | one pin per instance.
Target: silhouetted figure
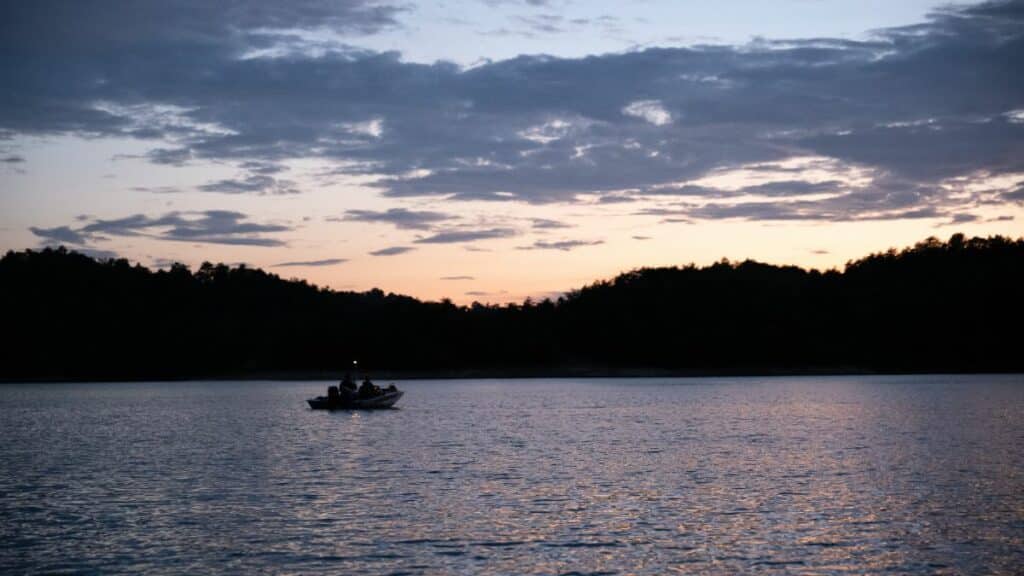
(347, 382)
(368, 389)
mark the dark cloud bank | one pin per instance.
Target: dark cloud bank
(221, 81)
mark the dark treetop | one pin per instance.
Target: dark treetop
(938, 306)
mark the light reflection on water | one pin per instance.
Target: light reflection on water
(811, 475)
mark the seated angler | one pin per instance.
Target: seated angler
(368, 389)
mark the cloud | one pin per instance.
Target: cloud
(60, 235)
(678, 210)
(547, 23)
(957, 219)
(164, 263)
(962, 218)
(458, 236)
(209, 82)
(253, 184)
(169, 156)
(564, 245)
(308, 263)
(534, 3)
(550, 23)
(12, 159)
(263, 168)
(548, 224)
(392, 251)
(97, 253)
(220, 227)
(651, 111)
(867, 206)
(793, 188)
(882, 197)
(695, 190)
(552, 295)
(208, 227)
(641, 237)
(399, 217)
(157, 189)
(105, 25)
(65, 236)
(774, 188)
(615, 199)
(454, 278)
(484, 293)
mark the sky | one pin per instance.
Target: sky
(493, 150)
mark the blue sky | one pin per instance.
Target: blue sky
(497, 149)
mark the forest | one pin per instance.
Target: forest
(938, 306)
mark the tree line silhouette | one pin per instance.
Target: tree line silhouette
(936, 306)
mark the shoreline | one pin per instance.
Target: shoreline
(503, 374)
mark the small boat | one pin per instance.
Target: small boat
(332, 402)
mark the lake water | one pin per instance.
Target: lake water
(910, 474)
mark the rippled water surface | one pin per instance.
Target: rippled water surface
(650, 476)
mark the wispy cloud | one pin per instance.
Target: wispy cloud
(548, 224)
(252, 184)
(392, 251)
(485, 293)
(313, 263)
(564, 245)
(458, 236)
(157, 189)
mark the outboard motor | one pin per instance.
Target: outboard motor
(332, 393)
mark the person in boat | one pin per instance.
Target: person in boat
(347, 382)
(368, 389)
